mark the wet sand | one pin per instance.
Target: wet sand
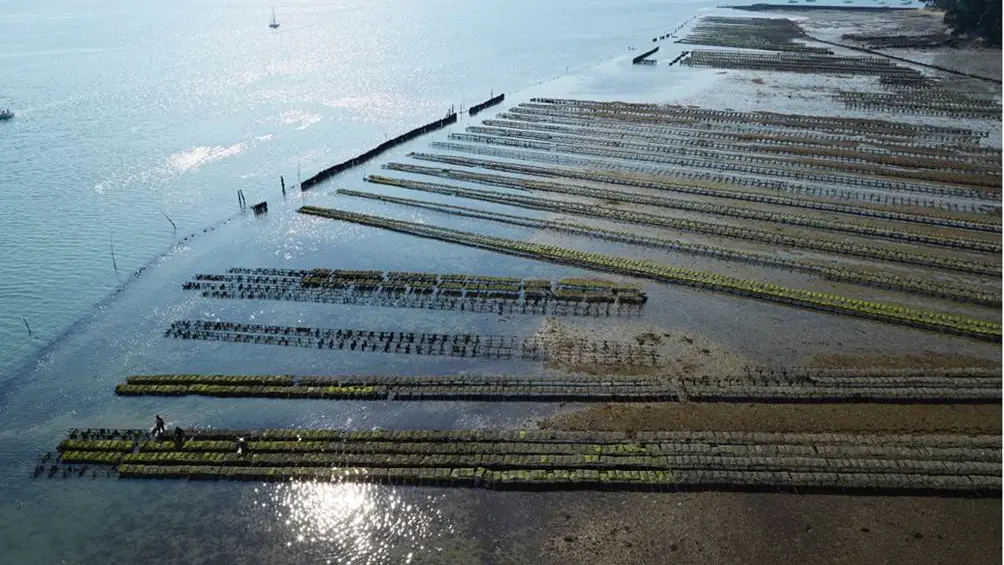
(767, 529)
(808, 418)
(924, 360)
(682, 353)
(598, 528)
(968, 56)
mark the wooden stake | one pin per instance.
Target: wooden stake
(170, 220)
(114, 263)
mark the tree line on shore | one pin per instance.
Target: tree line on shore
(972, 18)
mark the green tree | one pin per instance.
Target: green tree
(980, 18)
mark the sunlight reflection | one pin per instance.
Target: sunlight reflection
(351, 523)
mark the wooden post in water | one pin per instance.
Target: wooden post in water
(283, 182)
(115, 265)
(170, 220)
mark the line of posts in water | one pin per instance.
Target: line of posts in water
(643, 58)
(451, 118)
(473, 111)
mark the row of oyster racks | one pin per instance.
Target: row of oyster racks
(432, 282)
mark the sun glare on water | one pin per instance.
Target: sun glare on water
(351, 523)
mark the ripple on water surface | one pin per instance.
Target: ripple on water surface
(181, 107)
(353, 523)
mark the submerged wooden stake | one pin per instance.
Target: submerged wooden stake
(114, 263)
(170, 220)
(25, 320)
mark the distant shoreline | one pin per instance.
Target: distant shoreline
(801, 7)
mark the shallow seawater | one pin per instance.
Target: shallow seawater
(97, 520)
(130, 119)
(94, 520)
(349, 74)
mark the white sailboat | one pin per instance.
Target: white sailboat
(275, 22)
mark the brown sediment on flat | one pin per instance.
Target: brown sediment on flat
(862, 204)
(847, 223)
(871, 265)
(737, 207)
(923, 361)
(766, 529)
(871, 418)
(681, 353)
(805, 278)
(810, 234)
(878, 158)
(854, 145)
(990, 183)
(875, 128)
(725, 528)
(989, 217)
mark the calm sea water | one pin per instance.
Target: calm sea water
(128, 114)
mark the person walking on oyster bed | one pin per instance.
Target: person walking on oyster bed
(158, 427)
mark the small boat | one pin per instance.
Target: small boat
(6, 114)
(275, 22)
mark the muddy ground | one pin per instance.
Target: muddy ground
(968, 56)
(767, 529)
(720, 528)
(794, 418)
